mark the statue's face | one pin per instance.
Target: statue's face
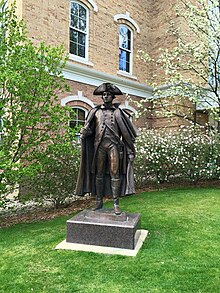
(107, 97)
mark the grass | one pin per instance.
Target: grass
(181, 254)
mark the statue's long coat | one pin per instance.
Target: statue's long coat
(87, 171)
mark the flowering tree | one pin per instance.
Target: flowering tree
(30, 80)
(192, 67)
(191, 153)
(156, 154)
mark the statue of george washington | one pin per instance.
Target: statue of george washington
(107, 140)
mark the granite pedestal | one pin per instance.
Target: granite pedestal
(104, 228)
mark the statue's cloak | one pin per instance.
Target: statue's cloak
(87, 170)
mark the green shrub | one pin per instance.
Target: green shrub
(56, 174)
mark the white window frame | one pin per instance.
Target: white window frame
(124, 72)
(73, 56)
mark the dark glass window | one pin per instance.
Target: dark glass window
(78, 29)
(77, 117)
(125, 49)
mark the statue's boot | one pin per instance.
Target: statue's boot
(99, 194)
(115, 184)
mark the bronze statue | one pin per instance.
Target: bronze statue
(107, 139)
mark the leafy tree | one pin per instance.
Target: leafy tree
(30, 81)
(192, 66)
(56, 176)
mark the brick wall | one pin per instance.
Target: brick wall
(87, 92)
(49, 21)
(161, 13)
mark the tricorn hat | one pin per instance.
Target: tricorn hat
(107, 87)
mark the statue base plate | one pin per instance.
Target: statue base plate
(104, 228)
(104, 249)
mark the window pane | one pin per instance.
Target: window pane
(72, 124)
(75, 8)
(81, 51)
(127, 67)
(74, 22)
(124, 38)
(73, 114)
(73, 36)
(122, 55)
(124, 60)
(122, 65)
(81, 114)
(77, 117)
(71, 22)
(82, 12)
(73, 48)
(129, 40)
(127, 57)
(82, 39)
(82, 24)
(81, 123)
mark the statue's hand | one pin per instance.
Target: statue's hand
(84, 132)
(131, 157)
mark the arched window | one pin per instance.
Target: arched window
(125, 48)
(79, 18)
(77, 117)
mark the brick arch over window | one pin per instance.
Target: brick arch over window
(80, 107)
(127, 18)
(93, 4)
(90, 3)
(78, 100)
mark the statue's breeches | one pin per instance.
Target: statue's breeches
(107, 156)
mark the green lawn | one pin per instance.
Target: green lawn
(181, 254)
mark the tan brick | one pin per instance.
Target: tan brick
(48, 20)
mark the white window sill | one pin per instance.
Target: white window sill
(80, 60)
(126, 74)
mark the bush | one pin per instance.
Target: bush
(191, 153)
(56, 174)
(156, 152)
(198, 154)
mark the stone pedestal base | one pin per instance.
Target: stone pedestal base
(104, 228)
(104, 249)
